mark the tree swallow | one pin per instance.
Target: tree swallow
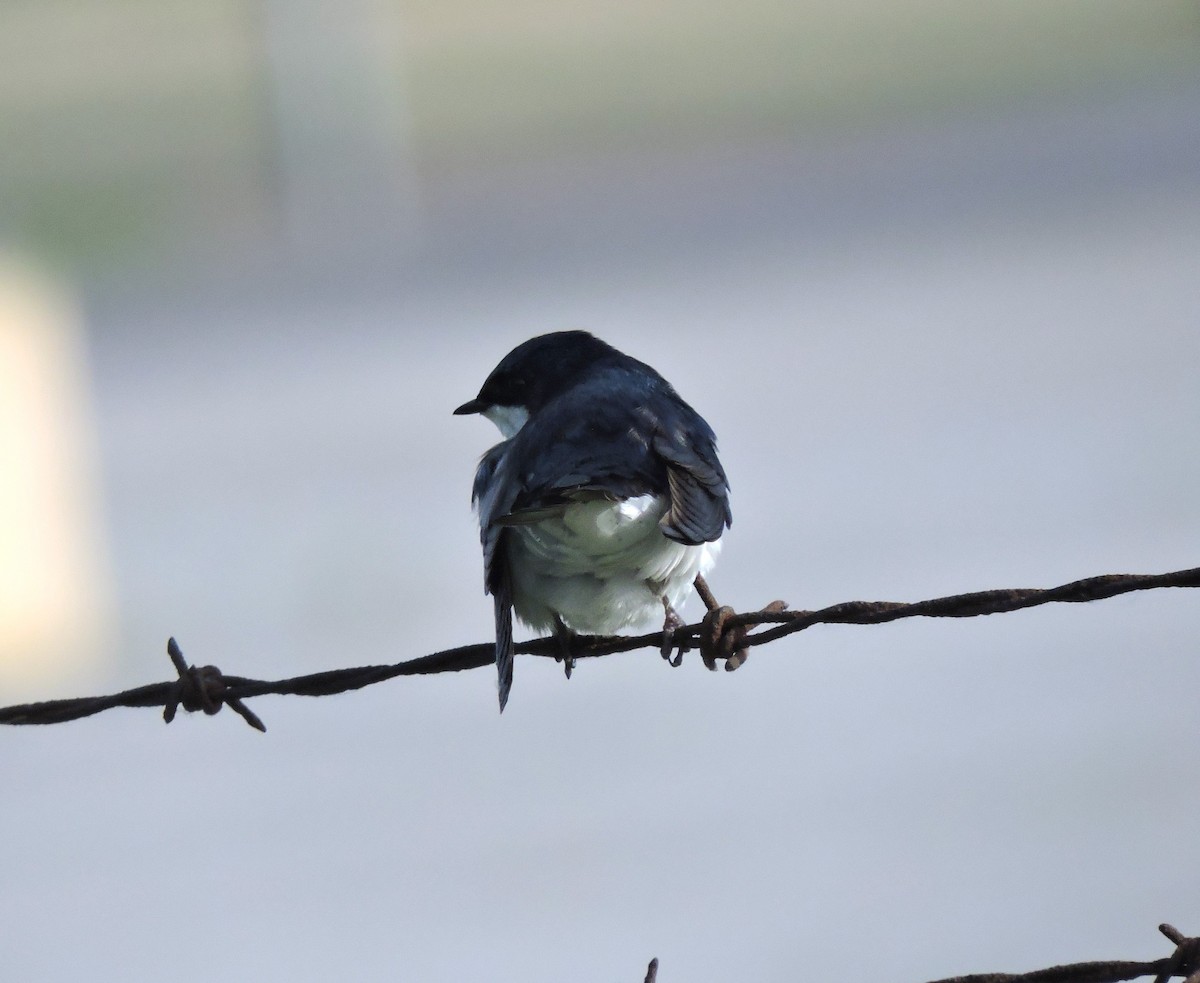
(604, 500)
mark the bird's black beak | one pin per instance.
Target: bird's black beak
(471, 406)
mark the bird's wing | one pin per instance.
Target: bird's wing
(589, 447)
(699, 510)
(579, 452)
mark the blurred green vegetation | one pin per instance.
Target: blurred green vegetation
(536, 76)
(129, 127)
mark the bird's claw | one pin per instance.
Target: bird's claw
(564, 636)
(671, 623)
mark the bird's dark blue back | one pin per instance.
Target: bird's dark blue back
(624, 432)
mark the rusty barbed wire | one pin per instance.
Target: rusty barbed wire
(1184, 961)
(722, 635)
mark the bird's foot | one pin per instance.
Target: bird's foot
(564, 636)
(671, 622)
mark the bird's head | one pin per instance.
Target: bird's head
(533, 374)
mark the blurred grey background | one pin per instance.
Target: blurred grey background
(931, 270)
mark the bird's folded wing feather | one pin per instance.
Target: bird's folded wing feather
(699, 510)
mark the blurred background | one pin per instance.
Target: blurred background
(931, 270)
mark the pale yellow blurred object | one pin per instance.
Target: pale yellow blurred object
(55, 610)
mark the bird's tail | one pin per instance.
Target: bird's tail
(504, 644)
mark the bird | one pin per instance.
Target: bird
(603, 501)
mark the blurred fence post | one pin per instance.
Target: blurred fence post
(55, 607)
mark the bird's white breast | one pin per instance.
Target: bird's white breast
(602, 566)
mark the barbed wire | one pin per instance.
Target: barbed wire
(723, 635)
(1184, 961)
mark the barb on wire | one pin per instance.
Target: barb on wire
(1184, 962)
(722, 635)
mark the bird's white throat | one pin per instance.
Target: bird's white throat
(508, 419)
